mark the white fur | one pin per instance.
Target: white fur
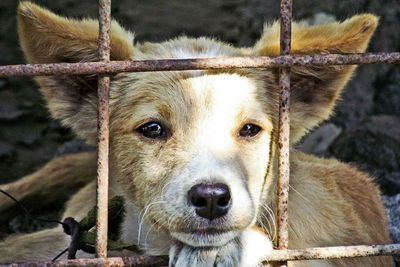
(135, 230)
(213, 154)
(256, 246)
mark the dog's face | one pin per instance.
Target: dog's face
(192, 148)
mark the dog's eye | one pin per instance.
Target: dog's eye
(152, 130)
(249, 130)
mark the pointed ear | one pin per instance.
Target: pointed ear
(48, 38)
(314, 90)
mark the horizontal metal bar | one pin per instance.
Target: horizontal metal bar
(196, 64)
(124, 261)
(276, 255)
(334, 252)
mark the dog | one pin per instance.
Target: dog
(194, 153)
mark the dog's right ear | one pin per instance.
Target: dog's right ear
(315, 89)
(48, 38)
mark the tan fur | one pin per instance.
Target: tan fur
(336, 198)
(59, 39)
(330, 202)
(41, 188)
(350, 36)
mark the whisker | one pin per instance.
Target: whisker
(268, 228)
(148, 232)
(306, 199)
(170, 220)
(163, 188)
(146, 209)
(272, 216)
(263, 226)
(273, 223)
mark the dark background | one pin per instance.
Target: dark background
(364, 131)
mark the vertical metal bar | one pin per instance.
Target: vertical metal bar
(284, 128)
(103, 131)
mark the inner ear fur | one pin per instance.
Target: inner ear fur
(48, 38)
(315, 89)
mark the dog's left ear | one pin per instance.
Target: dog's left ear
(48, 38)
(314, 90)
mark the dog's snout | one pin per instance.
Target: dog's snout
(211, 201)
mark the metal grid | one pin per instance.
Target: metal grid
(284, 62)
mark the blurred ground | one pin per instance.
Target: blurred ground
(364, 131)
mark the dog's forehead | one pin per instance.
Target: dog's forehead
(225, 92)
(184, 47)
(202, 90)
(175, 93)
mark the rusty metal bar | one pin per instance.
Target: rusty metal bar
(196, 64)
(286, 27)
(284, 130)
(103, 131)
(276, 255)
(124, 261)
(334, 252)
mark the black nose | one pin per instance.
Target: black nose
(211, 201)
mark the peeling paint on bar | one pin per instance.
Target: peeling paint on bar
(124, 261)
(276, 255)
(103, 131)
(334, 252)
(283, 160)
(284, 129)
(286, 26)
(196, 64)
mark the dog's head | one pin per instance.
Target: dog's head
(190, 148)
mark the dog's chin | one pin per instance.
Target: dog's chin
(205, 238)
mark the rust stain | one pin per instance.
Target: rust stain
(113, 67)
(276, 255)
(103, 131)
(284, 130)
(283, 160)
(124, 261)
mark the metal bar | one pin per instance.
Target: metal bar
(125, 261)
(284, 130)
(334, 252)
(196, 64)
(283, 159)
(276, 255)
(286, 27)
(103, 131)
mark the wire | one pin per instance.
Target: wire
(59, 255)
(27, 213)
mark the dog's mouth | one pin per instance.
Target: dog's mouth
(199, 232)
(205, 238)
